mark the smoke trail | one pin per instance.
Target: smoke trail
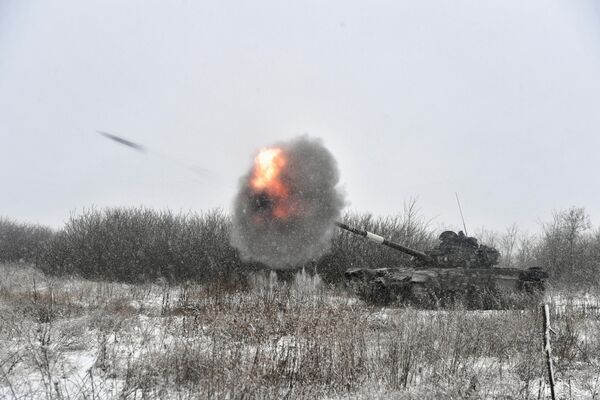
(143, 149)
(296, 225)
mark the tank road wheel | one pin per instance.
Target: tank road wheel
(375, 292)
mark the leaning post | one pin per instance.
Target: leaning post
(548, 350)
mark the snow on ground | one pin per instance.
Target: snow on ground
(76, 339)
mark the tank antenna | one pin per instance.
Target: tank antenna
(461, 214)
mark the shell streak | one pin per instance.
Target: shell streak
(287, 204)
(125, 142)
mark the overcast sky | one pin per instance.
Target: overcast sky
(496, 100)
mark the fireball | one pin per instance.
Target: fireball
(266, 176)
(284, 212)
(267, 183)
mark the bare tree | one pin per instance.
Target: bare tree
(508, 243)
(565, 238)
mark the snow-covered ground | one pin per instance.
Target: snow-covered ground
(76, 339)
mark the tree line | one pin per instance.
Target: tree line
(139, 244)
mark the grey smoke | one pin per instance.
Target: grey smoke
(312, 176)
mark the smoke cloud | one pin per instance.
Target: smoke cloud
(296, 227)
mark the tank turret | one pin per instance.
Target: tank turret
(456, 250)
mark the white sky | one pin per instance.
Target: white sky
(496, 100)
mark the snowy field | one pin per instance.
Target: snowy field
(76, 339)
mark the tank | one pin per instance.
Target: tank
(458, 271)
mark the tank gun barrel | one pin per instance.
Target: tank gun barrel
(381, 240)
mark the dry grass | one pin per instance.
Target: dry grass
(72, 339)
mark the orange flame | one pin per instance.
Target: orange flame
(267, 170)
(266, 177)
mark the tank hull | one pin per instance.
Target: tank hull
(472, 288)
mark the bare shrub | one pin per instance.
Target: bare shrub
(569, 249)
(22, 242)
(141, 245)
(138, 244)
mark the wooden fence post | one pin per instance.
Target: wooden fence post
(548, 350)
